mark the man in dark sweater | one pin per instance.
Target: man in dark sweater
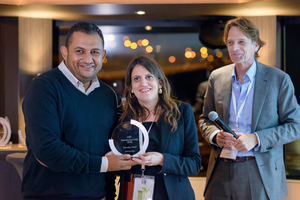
(69, 115)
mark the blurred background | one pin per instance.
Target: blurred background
(184, 37)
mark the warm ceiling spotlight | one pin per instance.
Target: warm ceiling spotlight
(140, 12)
(148, 28)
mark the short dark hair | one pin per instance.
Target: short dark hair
(248, 28)
(85, 27)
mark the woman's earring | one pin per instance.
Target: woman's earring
(160, 91)
(132, 95)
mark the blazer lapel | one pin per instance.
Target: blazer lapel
(260, 92)
(165, 130)
(226, 93)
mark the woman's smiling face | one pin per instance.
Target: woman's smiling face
(145, 86)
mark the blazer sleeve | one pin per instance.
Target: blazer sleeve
(182, 156)
(279, 121)
(212, 103)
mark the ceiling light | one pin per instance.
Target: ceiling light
(148, 28)
(140, 12)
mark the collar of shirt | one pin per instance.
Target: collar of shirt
(250, 74)
(78, 84)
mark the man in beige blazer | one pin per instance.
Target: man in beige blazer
(258, 102)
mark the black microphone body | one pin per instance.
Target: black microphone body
(213, 116)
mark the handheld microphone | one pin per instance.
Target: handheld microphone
(213, 116)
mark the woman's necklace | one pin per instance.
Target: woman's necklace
(152, 123)
(143, 166)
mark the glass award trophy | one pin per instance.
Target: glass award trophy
(129, 138)
(5, 131)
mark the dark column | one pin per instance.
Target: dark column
(9, 73)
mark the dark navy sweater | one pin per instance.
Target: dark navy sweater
(68, 132)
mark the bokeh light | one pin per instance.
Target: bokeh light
(145, 42)
(210, 58)
(111, 37)
(127, 43)
(204, 55)
(188, 49)
(203, 50)
(139, 42)
(172, 59)
(193, 54)
(133, 45)
(157, 48)
(219, 54)
(149, 49)
(105, 60)
(188, 54)
(113, 44)
(125, 38)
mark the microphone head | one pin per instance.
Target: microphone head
(213, 115)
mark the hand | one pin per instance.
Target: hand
(150, 159)
(225, 139)
(245, 142)
(119, 162)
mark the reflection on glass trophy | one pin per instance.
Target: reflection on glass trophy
(129, 138)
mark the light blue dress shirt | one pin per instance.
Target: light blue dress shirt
(243, 122)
